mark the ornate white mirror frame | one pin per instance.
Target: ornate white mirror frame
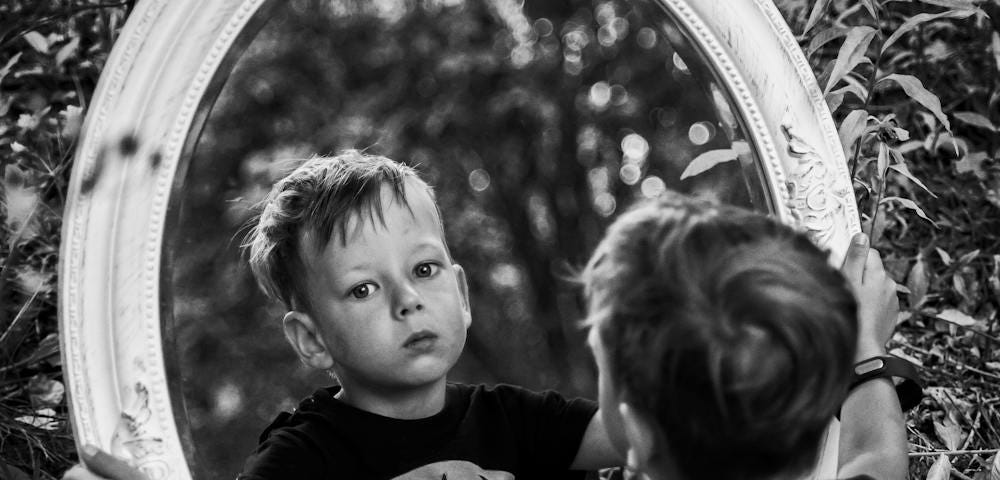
(152, 100)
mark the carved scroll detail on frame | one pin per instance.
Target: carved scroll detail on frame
(134, 439)
(815, 197)
(819, 106)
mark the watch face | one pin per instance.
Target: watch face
(869, 366)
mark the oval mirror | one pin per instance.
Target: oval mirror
(535, 121)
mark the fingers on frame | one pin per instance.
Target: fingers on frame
(874, 268)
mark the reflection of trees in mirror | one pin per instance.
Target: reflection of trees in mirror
(535, 126)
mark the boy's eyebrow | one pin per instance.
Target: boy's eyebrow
(364, 265)
(428, 244)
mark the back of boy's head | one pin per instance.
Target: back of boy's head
(306, 207)
(727, 328)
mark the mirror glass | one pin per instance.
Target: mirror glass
(536, 121)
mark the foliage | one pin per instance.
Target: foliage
(536, 124)
(50, 57)
(916, 87)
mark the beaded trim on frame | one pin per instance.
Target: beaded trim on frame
(145, 432)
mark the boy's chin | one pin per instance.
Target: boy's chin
(426, 371)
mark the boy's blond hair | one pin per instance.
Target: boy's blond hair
(306, 207)
(729, 329)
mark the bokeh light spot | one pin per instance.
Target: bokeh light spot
(635, 147)
(630, 173)
(646, 38)
(598, 178)
(619, 95)
(479, 180)
(522, 56)
(505, 275)
(606, 36)
(543, 27)
(605, 204)
(228, 401)
(701, 132)
(652, 187)
(600, 94)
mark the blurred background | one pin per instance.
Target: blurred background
(536, 122)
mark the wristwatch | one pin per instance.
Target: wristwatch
(909, 388)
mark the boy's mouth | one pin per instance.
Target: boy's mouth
(422, 340)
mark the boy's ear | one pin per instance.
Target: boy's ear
(463, 289)
(306, 339)
(641, 436)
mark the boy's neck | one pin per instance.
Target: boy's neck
(404, 404)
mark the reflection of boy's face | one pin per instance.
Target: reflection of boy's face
(390, 307)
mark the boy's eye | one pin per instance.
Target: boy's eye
(363, 290)
(425, 270)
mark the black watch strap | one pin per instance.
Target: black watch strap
(910, 389)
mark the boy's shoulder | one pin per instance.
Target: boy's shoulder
(504, 423)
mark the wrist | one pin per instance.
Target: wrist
(868, 349)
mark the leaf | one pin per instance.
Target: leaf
(817, 12)
(995, 467)
(45, 392)
(44, 419)
(10, 64)
(47, 351)
(834, 100)
(915, 90)
(975, 119)
(968, 257)
(941, 469)
(871, 9)
(950, 433)
(920, 18)
(903, 170)
(945, 258)
(852, 127)
(905, 356)
(851, 53)
(37, 41)
(955, 316)
(67, 50)
(917, 281)
(854, 87)
(883, 159)
(995, 46)
(959, 145)
(910, 146)
(21, 203)
(824, 37)
(707, 160)
(72, 119)
(961, 4)
(910, 205)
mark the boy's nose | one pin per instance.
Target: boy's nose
(408, 303)
(409, 310)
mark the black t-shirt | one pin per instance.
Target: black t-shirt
(491, 433)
